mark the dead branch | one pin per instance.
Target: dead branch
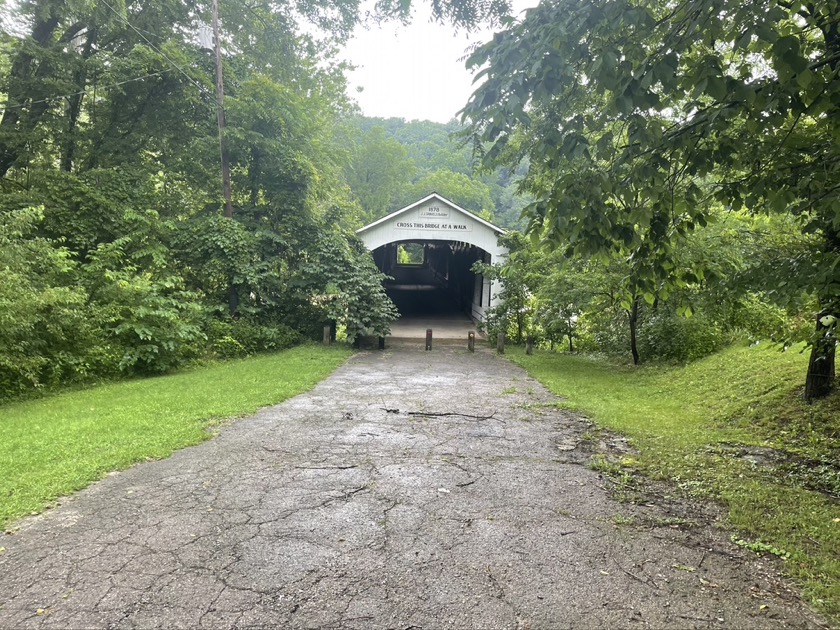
(443, 414)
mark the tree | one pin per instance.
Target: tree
(656, 110)
(379, 172)
(467, 192)
(108, 128)
(514, 310)
(442, 162)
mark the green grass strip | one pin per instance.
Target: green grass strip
(686, 421)
(54, 446)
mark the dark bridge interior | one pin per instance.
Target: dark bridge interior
(432, 278)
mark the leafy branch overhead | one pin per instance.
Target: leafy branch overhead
(642, 121)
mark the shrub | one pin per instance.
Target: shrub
(238, 338)
(758, 319)
(670, 337)
(46, 332)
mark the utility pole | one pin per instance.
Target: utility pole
(233, 293)
(220, 112)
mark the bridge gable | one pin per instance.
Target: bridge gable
(433, 218)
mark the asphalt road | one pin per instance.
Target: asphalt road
(410, 489)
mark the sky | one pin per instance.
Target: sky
(414, 72)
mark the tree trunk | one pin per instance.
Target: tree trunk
(633, 319)
(22, 116)
(74, 106)
(27, 93)
(821, 371)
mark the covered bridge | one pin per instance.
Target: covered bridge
(428, 247)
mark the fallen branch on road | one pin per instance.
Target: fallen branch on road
(441, 414)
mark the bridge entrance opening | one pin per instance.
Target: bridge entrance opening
(429, 248)
(433, 277)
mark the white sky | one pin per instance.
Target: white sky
(414, 72)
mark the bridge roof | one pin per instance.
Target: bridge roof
(434, 218)
(425, 201)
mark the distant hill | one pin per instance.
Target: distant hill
(396, 162)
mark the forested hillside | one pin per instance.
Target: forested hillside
(396, 162)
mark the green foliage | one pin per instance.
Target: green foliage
(239, 338)
(760, 548)
(514, 312)
(46, 335)
(757, 318)
(129, 267)
(347, 285)
(639, 120)
(378, 173)
(463, 190)
(666, 336)
(410, 254)
(400, 161)
(156, 324)
(587, 303)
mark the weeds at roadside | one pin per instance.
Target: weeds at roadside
(621, 519)
(760, 548)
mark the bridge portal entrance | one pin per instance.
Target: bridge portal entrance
(428, 248)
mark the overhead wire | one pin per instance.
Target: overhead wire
(174, 65)
(125, 21)
(3, 108)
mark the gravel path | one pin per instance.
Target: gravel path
(410, 489)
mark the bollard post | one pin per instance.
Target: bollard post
(471, 341)
(327, 335)
(500, 343)
(529, 344)
(428, 339)
(382, 343)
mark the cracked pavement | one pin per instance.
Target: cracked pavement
(410, 489)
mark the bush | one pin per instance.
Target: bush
(46, 336)
(46, 332)
(757, 319)
(604, 331)
(670, 337)
(239, 338)
(155, 324)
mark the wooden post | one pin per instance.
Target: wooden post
(500, 343)
(327, 335)
(428, 339)
(382, 343)
(471, 341)
(529, 344)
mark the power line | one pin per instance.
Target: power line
(201, 88)
(3, 108)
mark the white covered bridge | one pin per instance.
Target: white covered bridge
(428, 248)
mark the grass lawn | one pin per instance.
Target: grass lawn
(694, 424)
(57, 445)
